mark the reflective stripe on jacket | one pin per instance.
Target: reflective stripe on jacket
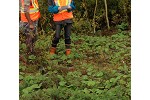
(64, 14)
(33, 10)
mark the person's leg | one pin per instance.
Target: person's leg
(67, 30)
(35, 31)
(56, 38)
(31, 36)
(26, 30)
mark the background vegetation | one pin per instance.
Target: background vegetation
(90, 14)
(99, 66)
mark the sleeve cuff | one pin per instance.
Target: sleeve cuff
(53, 9)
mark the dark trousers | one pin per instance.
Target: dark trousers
(67, 32)
(31, 34)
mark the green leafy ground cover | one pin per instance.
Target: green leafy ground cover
(97, 69)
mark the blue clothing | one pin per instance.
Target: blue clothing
(72, 6)
(52, 8)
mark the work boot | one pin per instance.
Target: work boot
(68, 52)
(52, 50)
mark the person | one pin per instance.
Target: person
(30, 14)
(62, 17)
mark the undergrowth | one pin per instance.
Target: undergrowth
(97, 69)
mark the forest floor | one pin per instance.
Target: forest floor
(97, 69)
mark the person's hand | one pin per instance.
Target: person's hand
(59, 8)
(69, 7)
(31, 26)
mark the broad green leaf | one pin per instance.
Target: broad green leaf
(91, 83)
(69, 61)
(62, 83)
(100, 74)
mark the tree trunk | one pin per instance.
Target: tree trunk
(94, 26)
(106, 11)
(85, 7)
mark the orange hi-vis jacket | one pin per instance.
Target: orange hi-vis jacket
(33, 11)
(62, 15)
